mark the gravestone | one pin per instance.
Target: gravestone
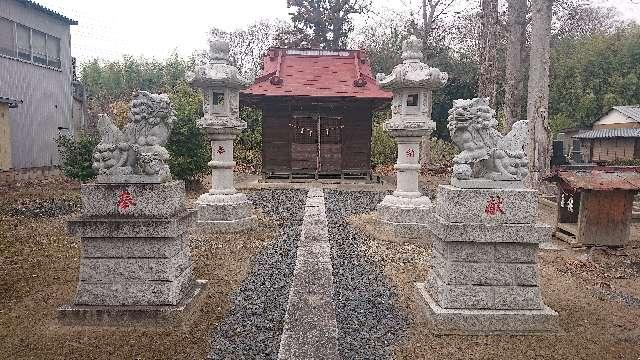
(485, 236)
(223, 208)
(412, 83)
(135, 264)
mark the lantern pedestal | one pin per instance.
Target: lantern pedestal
(223, 208)
(407, 210)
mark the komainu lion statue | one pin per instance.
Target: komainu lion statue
(485, 152)
(137, 149)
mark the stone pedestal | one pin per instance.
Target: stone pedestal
(406, 211)
(135, 263)
(223, 208)
(485, 273)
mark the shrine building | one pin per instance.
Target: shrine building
(317, 108)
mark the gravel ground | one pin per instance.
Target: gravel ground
(252, 328)
(38, 272)
(369, 322)
(595, 292)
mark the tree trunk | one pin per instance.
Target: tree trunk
(428, 13)
(487, 83)
(539, 149)
(517, 27)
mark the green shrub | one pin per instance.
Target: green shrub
(76, 156)
(383, 148)
(247, 148)
(442, 153)
(188, 145)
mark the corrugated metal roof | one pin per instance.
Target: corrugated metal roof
(316, 73)
(609, 134)
(13, 103)
(614, 178)
(631, 111)
(48, 11)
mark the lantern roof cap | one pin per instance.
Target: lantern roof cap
(218, 73)
(413, 73)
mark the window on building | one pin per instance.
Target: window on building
(23, 40)
(29, 44)
(39, 47)
(7, 37)
(53, 51)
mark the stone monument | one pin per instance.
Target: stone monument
(412, 84)
(135, 263)
(485, 236)
(223, 208)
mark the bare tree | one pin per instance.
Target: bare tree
(514, 86)
(539, 149)
(575, 19)
(381, 39)
(248, 45)
(488, 80)
(432, 11)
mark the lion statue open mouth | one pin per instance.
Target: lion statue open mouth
(137, 149)
(485, 152)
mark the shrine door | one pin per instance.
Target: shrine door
(316, 145)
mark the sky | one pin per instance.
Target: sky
(152, 28)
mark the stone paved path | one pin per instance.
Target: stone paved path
(310, 329)
(313, 293)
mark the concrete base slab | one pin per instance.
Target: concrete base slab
(111, 227)
(486, 206)
(145, 200)
(225, 213)
(111, 316)
(487, 232)
(485, 322)
(487, 184)
(395, 210)
(229, 226)
(133, 179)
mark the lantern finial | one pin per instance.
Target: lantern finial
(412, 49)
(219, 50)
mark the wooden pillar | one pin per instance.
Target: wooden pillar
(605, 217)
(5, 138)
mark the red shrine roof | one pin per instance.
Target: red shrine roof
(601, 178)
(316, 73)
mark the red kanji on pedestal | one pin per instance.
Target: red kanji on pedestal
(125, 200)
(221, 150)
(494, 206)
(410, 153)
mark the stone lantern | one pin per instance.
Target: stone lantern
(223, 208)
(412, 83)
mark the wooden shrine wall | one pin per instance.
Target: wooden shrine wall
(355, 149)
